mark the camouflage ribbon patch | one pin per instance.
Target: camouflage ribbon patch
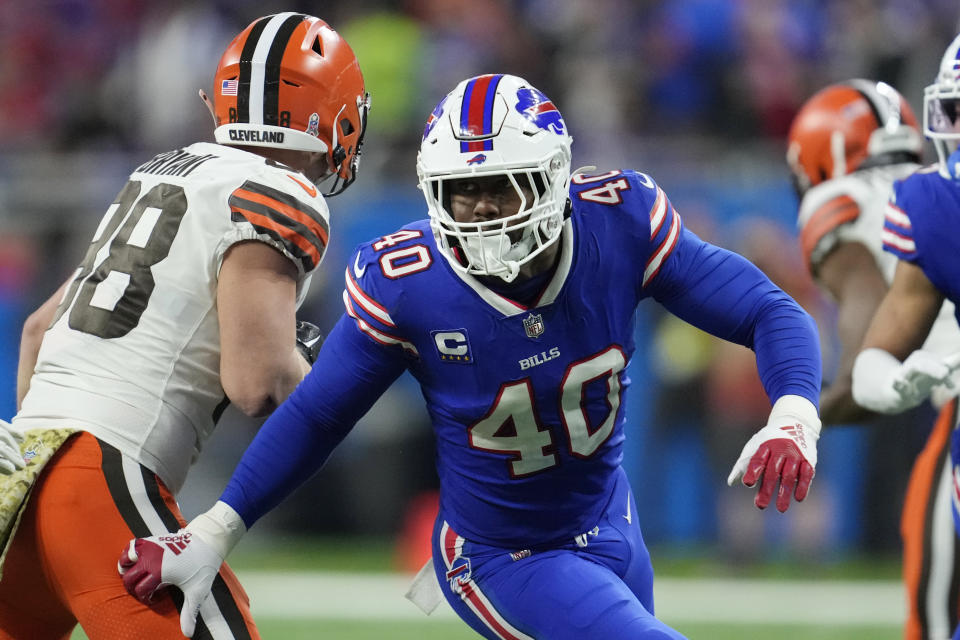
(38, 448)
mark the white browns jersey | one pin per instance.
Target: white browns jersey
(851, 208)
(133, 353)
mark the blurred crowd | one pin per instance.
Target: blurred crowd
(699, 93)
(123, 74)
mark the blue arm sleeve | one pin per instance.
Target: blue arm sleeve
(350, 374)
(724, 294)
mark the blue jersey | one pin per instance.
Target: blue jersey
(527, 402)
(919, 227)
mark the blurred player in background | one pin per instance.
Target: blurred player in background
(846, 147)
(895, 369)
(185, 301)
(514, 307)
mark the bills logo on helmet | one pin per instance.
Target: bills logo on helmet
(538, 109)
(477, 159)
(434, 118)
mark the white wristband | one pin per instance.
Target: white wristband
(796, 407)
(221, 528)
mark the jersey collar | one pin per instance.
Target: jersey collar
(510, 307)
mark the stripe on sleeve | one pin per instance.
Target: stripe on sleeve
(897, 234)
(829, 216)
(666, 246)
(896, 216)
(375, 334)
(659, 213)
(900, 244)
(294, 224)
(365, 302)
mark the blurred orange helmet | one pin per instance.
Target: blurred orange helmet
(849, 126)
(290, 81)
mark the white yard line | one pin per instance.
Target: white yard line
(372, 596)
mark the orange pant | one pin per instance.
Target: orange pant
(61, 568)
(931, 548)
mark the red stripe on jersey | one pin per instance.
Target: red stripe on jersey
(829, 216)
(485, 614)
(286, 232)
(380, 337)
(904, 223)
(285, 209)
(655, 262)
(656, 221)
(449, 545)
(367, 303)
(900, 236)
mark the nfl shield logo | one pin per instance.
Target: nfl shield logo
(533, 325)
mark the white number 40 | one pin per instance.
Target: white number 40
(531, 444)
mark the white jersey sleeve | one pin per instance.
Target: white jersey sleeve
(851, 209)
(133, 353)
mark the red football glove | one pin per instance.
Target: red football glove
(783, 453)
(181, 559)
(188, 559)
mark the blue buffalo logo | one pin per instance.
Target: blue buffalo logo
(434, 118)
(538, 109)
(477, 159)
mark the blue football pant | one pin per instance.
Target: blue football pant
(597, 586)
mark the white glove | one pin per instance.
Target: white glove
(188, 559)
(946, 391)
(784, 452)
(10, 457)
(884, 384)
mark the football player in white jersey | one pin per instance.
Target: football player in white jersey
(185, 301)
(847, 145)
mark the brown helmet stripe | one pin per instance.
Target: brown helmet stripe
(258, 91)
(246, 59)
(271, 83)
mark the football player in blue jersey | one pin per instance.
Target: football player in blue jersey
(892, 372)
(513, 306)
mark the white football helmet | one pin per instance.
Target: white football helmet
(496, 125)
(941, 105)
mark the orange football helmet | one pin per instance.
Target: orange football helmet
(849, 126)
(290, 81)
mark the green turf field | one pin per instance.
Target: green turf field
(340, 630)
(304, 590)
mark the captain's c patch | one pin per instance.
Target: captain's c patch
(452, 345)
